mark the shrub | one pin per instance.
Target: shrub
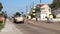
(1, 26)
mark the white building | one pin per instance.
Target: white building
(45, 10)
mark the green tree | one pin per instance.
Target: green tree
(4, 14)
(1, 6)
(17, 14)
(55, 5)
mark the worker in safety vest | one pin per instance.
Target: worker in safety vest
(51, 17)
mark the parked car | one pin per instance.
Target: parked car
(19, 19)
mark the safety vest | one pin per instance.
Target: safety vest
(51, 16)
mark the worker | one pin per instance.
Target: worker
(50, 18)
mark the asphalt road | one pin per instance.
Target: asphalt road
(34, 29)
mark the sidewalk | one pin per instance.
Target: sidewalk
(10, 28)
(50, 26)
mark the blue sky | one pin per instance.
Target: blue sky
(12, 6)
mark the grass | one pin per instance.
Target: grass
(1, 25)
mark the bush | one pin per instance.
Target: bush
(54, 16)
(1, 26)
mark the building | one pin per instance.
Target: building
(43, 10)
(56, 13)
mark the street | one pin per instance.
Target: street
(34, 29)
(29, 16)
(23, 28)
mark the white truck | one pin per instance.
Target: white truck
(19, 19)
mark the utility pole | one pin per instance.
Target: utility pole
(40, 1)
(26, 8)
(32, 4)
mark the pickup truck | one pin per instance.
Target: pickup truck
(19, 19)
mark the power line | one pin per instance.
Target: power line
(30, 6)
(33, 4)
(26, 8)
(40, 1)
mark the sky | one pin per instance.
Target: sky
(12, 6)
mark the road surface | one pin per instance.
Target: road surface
(34, 29)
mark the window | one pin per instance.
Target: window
(42, 8)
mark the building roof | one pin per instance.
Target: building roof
(39, 5)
